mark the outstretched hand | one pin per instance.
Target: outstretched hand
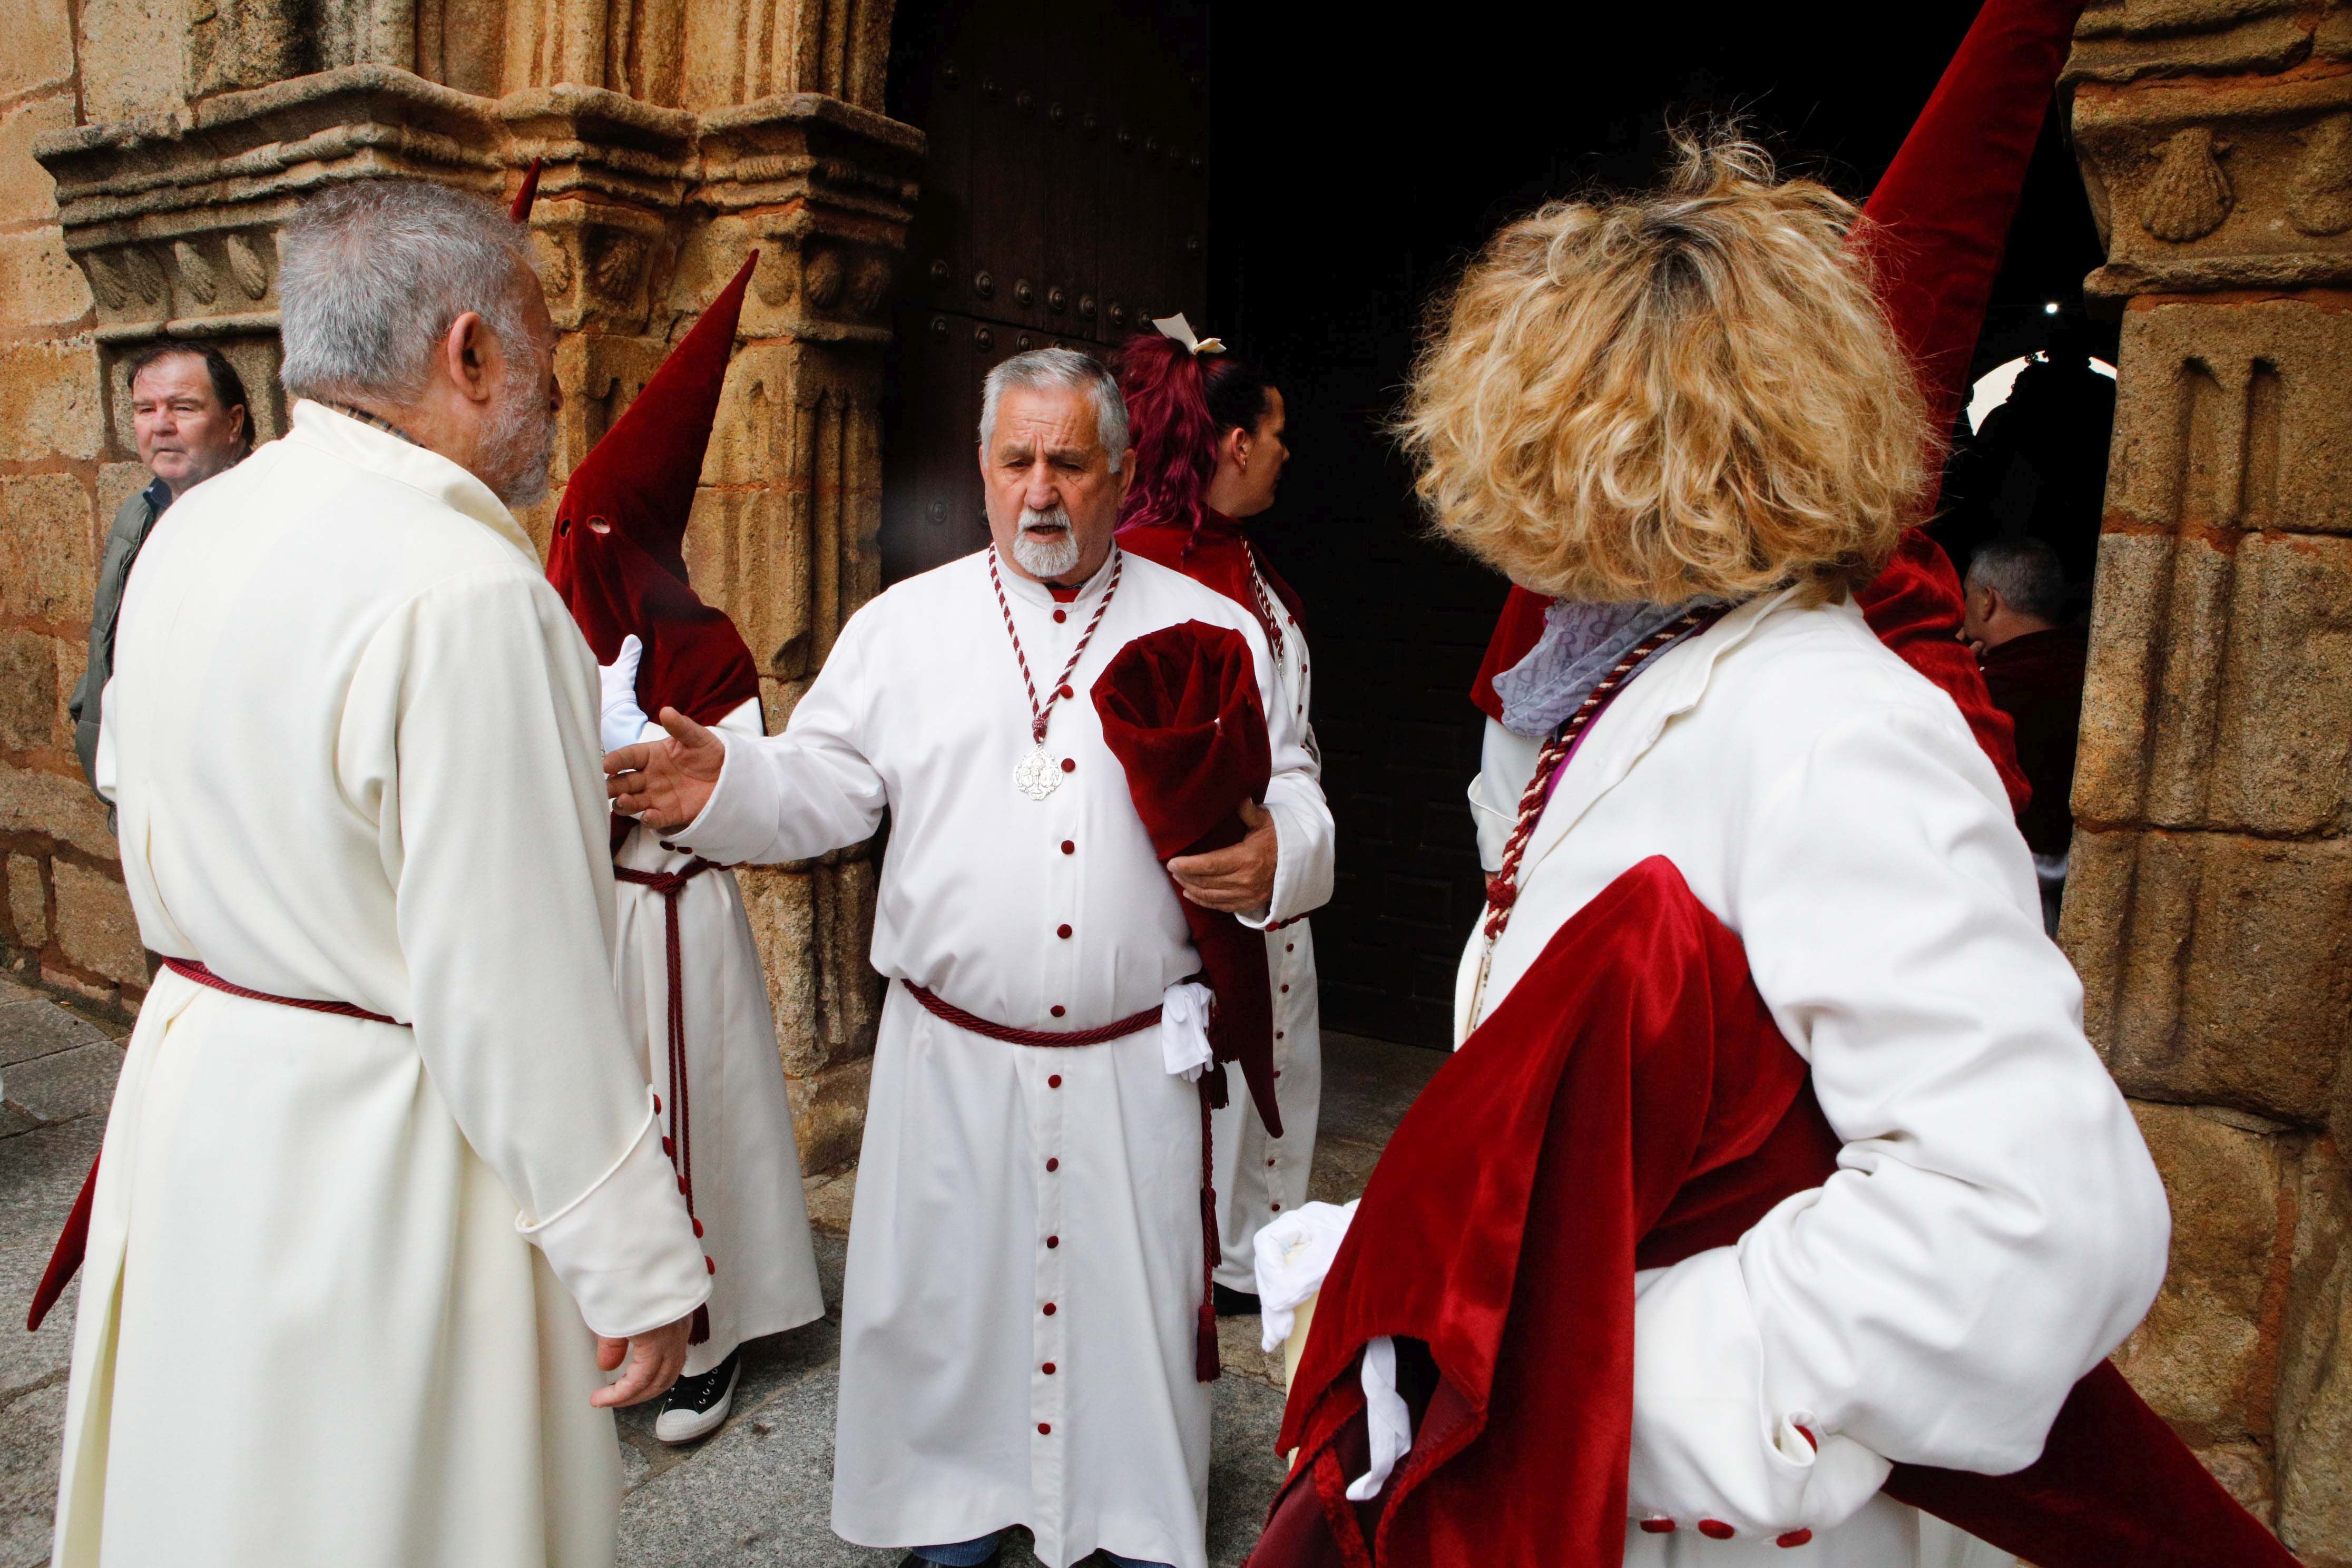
(1238, 878)
(665, 783)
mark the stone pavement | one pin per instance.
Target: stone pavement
(758, 1491)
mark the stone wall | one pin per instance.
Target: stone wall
(2210, 908)
(179, 133)
(63, 919)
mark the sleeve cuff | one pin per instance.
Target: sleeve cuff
(625, 1248)
(1297, 890)
(1706, 1447)
(726, 832)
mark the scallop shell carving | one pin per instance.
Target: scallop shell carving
(2319, 197)
(106, 281)
(245, 265)
(615, 269)
(822, 277)
(146, 274)
(2188, 195)
(868, 284)
(195, 272)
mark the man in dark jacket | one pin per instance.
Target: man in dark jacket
(190, 414)
(2032, 660)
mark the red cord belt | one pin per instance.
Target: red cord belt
(680, 1144)
(73, 1241)
(1205, 1338)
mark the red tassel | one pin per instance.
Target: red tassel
(66, 1258)
(1205, 1363)
(701, 1334)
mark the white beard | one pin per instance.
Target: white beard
(1043, 558)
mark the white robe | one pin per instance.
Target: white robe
(1025, 1252)
(1995, 1226)
(746, 1163)
(1258, 1175)
(333, 1302)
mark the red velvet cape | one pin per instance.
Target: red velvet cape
(1215, 553)
(1934, 228)
(1629, 1103)
(618, 555)
(1180, 712)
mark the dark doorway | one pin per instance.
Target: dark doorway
(1065, 202)
(1355, 168)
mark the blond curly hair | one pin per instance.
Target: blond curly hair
(1690, 391)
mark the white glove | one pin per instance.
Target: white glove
(1709, 1452)
(622, 722)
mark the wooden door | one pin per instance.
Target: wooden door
(1065, 202)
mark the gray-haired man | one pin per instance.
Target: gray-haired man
(381, 1186)
(1025, 1261)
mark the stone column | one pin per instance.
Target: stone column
(677, 135)
(2210, 908)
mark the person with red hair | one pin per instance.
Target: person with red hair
(1208, 453)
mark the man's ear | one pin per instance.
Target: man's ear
(1126, 475)
(470, 355)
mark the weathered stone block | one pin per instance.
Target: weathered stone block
(40, 46)
(2216, 969)
(782, 907)
(53, 806)
(2225, 417)
(73, 660)
(27, 191)
(49, 403)
(28, 904)
(46, 538)
(28, 690)
(117, 483)
(38, 282)
(134, 57)
(829, 1113)
(94, 926)
(2314, 1382)
(2200, 1357)
(2221, 667)
(748, 552)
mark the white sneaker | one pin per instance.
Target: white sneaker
(698, 1406)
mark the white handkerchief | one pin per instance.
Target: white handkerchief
(1185, 1029)
(1387, 1422)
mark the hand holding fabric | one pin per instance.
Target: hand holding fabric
(665, 783)
(620, 721)
(1239, 878)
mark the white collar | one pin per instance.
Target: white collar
(422, 469)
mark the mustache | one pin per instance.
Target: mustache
(1045, 521)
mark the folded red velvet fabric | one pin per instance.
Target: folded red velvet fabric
(1180, 712)
(1629, 1104)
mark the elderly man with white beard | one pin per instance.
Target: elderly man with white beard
(382, 1189)
(1026, 1259)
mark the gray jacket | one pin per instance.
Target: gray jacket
(132, 522)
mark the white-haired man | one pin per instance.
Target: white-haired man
(1025, 1254)
(382, 1189)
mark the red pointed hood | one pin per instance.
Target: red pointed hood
(617, 554)
(520, 211)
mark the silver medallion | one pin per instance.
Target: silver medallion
(1038, 775)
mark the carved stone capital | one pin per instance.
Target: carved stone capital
(2215, 138)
